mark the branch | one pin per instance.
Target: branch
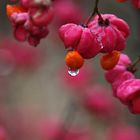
(95, 11)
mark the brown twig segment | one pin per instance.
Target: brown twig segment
(95, 11)
(133, 67)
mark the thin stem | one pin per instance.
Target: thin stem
(71, 114)
(132, 67)
(136, 62)
(93, 13)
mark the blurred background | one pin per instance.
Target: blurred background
(37, 96)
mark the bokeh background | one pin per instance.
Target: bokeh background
(33, 87)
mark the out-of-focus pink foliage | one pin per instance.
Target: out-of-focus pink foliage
(123, 132)
(98, 101)
(24, 57)
(67, 11)
(53, 128)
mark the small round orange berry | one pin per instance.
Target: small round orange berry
(109, 61)
(10, 9)
(74, 60)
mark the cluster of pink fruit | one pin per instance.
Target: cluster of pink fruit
(105, 33)
(125, 85)
(30, 20)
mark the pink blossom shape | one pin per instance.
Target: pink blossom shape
(125, 86)
(122, 77)
(115, 22)
(79, 38)
(121, 67)
(70, 34)
(129, 92)
(111, 32)
(32, 25)
(41, 16)
(112, 75)
(124, 60)
(20, 33)
(19, 18)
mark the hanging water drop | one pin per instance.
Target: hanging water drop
(73, 72)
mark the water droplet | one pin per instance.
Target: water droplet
(73, 72)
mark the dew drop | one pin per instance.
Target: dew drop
(73, 72)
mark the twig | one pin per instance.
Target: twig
(132, 67)
(95, 11)
(71, 114)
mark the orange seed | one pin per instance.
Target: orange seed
(74, 60)
(10, 9)
(109, 61)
